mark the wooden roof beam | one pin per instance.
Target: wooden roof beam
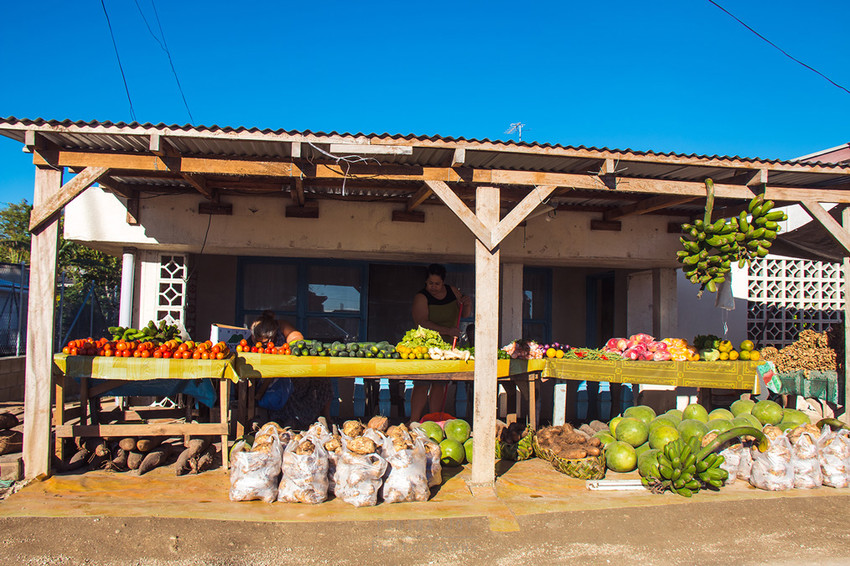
(647, 205)
(607, 173)
(297, 191)
(459, 157)
(418, 197)
(37, 144)
(43, 212)
(835, 229)
(117, 187)
(162, 148)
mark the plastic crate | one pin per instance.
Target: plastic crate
(820, 385)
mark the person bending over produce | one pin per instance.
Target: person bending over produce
(300, 403)
(437, 307)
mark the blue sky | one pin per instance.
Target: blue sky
(667, 75)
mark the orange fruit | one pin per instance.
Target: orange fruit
(733, 355)
(755, 355)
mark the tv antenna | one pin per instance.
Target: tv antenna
(516, 127)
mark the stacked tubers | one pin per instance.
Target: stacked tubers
(569, 443)
(811, 352)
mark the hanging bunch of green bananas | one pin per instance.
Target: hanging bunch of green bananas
(148, 333)
(757, 228)
(685, 467)
(710, 248)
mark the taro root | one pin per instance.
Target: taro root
(362, 445)
(797, 432)
(772, 432)
(572, 452)
(593, 450)
(400, 443)
(264, 438)
(594, 441)
(379, 423)
(587, 430)
(574, 438)
(333, 445)
(305, 448)
(598, 425)
(353, 428)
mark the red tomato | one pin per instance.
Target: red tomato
(243, 342)
(166, 354)
(157, 354)
(219, 356)
(205, 355)
(146, 354)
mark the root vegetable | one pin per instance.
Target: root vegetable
(134, 459)
(78, 460)
(8, 420)
(154, 458)
(127, 444)
(205, 461)
(148, 444)
(379, 423)
(194, 448)
(119, 462)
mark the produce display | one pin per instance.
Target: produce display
(710, 247)
(811, 352)
(525, 350)
(175, 348)
(142, 454)
(639, 347)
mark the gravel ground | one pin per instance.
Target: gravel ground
(803, 530)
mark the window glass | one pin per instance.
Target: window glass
(333, 289)
(269, 286)
(535, 331)
(329, 328)
(534, 295)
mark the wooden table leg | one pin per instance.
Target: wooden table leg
(559, 402)
(84, 400)
(59, 414)
(241, 408)
(224, 388)
(532, 400)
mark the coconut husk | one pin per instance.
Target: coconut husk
(797, 432)
(353, 428)
(772, 432)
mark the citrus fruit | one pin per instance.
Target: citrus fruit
(725, 346)
(675, 415)
(724, 356)
(467, 448)
(641, 449)
(719, 425)
(746, 419)
(794, 417)
(452, 452)
(620, 457)
(640, 412)
(632, 431)
(695, 411)
(721, 414)
(457, 429)
(733, 355)
(768, 412)
(648, 464)
(663, 420)
(744, 355)
(612, 425)
(755, 355)
(689, 428)
(550, 353)
(742, 406)
(605, 437)
(662, 435)
(747, 345)
(432, 430)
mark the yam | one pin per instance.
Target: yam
(574, 438)
(8, 420)
(134, 459)
(598, 425)
(573, 452)
(119, 461)
(78, 460)
(352, 428)
(154, 458)
(148, 444)
(205, 461)
(194, 448)
(593, 450)
(379, 423)
(101, 450)
(127, 444)
(587, 430)
(594, 441)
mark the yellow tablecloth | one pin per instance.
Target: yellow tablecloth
(141, 369)
(722, 375)
(250, 366)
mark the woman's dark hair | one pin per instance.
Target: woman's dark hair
(264, 328)
(436, 269)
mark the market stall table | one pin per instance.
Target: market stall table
(267, 366)
(108, 373)
(722, 374)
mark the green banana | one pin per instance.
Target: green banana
(775, 215)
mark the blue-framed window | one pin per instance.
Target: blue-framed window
(537, 304)
(325, 299)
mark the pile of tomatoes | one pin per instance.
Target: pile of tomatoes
(132, 349)
(259, 348)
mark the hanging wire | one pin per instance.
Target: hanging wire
(117, 56)
(347, 159)
(760, 36)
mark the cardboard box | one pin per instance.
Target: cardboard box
(231, 335)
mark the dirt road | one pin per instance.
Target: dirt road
(802, 530)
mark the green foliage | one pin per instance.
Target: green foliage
(14, 232)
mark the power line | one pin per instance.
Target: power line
(779, 48)
(164, 46)
(117, 56)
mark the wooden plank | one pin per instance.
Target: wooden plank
(458, 157)
(161, 147)
(40, 312)
(408, 216)
(141, 429)
(57, 200)
(607, 226)
(512, 219)
(845, 218)
(298, 191)
(368, 149)
(418, 197)
(224, 419)
(486, 340)
(59, 412)
(198, 182)
(121, 189)
(133, 217)
(759, 179)
(460, 209)
(37, 144)
(645, 206)
(445, 174)
(835, 229)
(295, 150)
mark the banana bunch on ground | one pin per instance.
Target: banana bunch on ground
(710, 248)
(684, 466)
(148, 333)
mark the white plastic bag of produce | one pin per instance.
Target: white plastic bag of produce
(378, 437)
(255, 474)
(407, 480)
(807, 472)
(732, 462)
(834, 450)
(304, 472)
(773, 470)
(358, 477)
(433, 457)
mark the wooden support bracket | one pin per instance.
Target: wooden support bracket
(835, 229)
(41, 213)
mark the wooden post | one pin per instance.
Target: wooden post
(486, 342)
(845, 219)
(39, 362)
